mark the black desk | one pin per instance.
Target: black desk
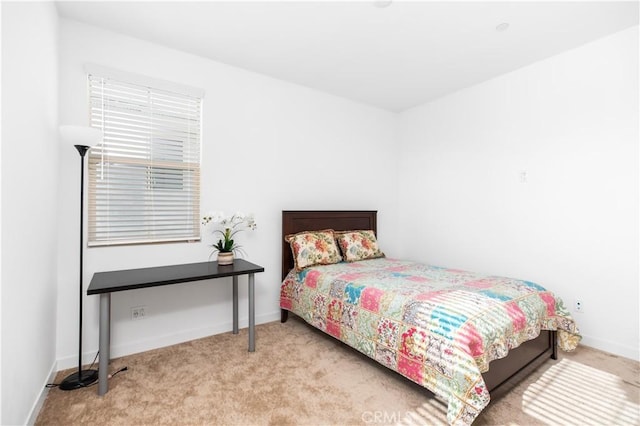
(105, 283)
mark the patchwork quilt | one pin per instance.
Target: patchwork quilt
(438, 327)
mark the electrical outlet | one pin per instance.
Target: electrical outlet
(138, 313)
(579, 307)
(523, 176)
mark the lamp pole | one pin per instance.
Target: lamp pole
(86, 377)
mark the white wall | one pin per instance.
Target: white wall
(0, 228)
(571, 123)
(29, 218)
(268, 146)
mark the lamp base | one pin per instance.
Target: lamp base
(79, 379)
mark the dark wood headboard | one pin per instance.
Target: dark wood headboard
(294, 221)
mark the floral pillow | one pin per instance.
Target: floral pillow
(358, 245)
(314, 248)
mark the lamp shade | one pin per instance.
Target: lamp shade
(80, 135)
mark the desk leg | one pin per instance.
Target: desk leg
(252, 314)
(235, 305)
(104, 343)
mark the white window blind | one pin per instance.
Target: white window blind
(144, 178)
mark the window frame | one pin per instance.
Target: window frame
(127, 166)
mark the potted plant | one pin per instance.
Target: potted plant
(227, 227)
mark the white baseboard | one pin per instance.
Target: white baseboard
(156, 342)
(37, 405)
(614, 348)
(72, 361)
(197, 333)
(185, 336)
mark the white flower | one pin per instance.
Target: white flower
(251, 222)
(217, 216)
(227, 227)
(237, 218)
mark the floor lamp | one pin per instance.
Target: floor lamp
(82, 137)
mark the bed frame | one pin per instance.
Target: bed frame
(520, 361)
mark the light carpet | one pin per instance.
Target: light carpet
(300, 376)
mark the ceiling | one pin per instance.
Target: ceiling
(393, 57)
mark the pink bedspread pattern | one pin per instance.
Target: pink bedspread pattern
(438, 327)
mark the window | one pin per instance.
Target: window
(144, 178)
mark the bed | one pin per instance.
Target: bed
(429, 324)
